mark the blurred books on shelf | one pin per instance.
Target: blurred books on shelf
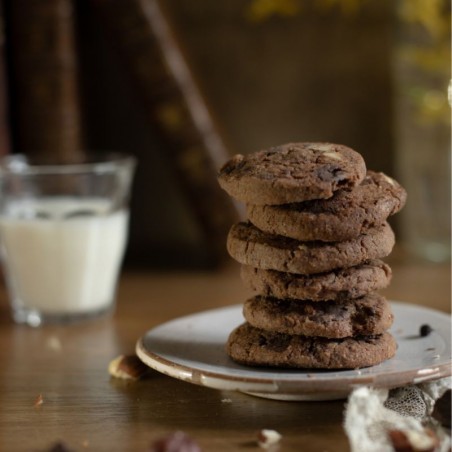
(57, 108)
(43, 78)
(175, 108)
(4, 120)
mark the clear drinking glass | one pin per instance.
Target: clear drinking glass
(63, 232)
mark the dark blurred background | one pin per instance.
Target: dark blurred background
(184, 85)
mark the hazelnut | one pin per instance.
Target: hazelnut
(333, 155)
(59, 447)
(175, 442)
(322, 147)
(441, 411)
(127, 367)
(413, 441)
(268, 438)
(389, 179)
(38, 401)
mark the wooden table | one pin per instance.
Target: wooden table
(87, 410)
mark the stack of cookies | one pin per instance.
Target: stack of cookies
(311, 250)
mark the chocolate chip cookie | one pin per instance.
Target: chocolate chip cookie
(293, 172)
(366, 316)
(347, 214)
(255, 347)
(340, 284)
(249, 245)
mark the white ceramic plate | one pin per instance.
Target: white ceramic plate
(191, 348)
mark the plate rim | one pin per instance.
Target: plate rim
(270, 385)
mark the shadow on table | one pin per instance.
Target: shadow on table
(175, 404)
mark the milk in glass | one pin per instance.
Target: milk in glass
(62, 254)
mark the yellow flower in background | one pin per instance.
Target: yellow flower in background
(429, 57)
(431, 14)
(348, 7)
(261, 10)
(430, 54)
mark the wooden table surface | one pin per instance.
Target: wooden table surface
(87, 410)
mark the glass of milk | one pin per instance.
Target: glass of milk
(63, 232)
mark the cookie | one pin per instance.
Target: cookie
(293, 172)
(365, 316)
(347, 214)
(249, 245)
(340, 284)
(254, 347)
